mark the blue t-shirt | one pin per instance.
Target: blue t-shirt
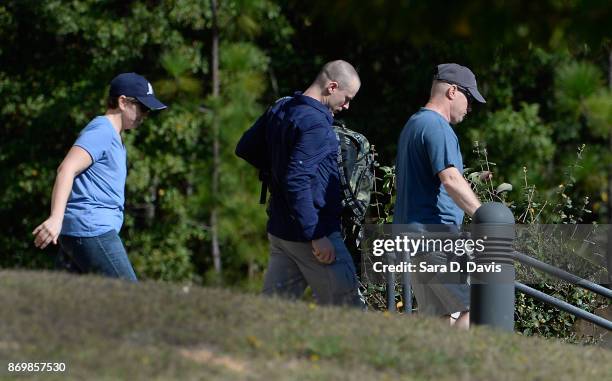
(95, 205)
(427, 145)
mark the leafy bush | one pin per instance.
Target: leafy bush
(532, 317)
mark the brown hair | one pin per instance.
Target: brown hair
(112, 102)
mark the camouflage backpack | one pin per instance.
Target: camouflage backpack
(356, 163)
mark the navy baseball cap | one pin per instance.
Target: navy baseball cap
(135, 86)
(459, 75)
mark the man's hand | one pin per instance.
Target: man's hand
(47, 232)
(323, 250)
(486, 175)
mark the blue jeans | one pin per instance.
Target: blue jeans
(103, 254)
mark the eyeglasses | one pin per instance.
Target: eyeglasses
(143, 109)
(467, 94)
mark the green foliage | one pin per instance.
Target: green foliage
(584, 105)
(242, 219)
(50, 94)
(575, 82)
(598, 110)
(532, 317)
(180, 64)
(383, 194)
(509, 134)
(159, 225)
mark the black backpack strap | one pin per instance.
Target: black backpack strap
(349, 201)
(265, 175)
(346, 189)
(264, 187)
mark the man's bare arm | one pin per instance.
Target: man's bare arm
(459, 190)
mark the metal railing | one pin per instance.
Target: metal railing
(492, 294)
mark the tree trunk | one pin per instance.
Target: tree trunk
(216, 252)
(609, 256)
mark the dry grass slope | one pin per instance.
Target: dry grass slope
(106, 329)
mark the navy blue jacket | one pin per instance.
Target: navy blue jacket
(295, 143)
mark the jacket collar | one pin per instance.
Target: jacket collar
(314, 103)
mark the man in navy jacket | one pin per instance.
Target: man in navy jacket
(294, 145)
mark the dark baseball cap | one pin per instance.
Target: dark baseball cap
(135, 86)
(459, 75)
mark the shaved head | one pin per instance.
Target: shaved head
(338, 71)
(335, 86)
(438, 89)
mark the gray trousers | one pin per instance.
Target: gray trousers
(293, 266)
(439, 294)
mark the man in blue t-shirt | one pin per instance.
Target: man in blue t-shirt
(294, 144)
(431, 189)
(88, 195)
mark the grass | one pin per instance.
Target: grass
(107, 329)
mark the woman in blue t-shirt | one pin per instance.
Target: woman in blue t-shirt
(88, 195)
